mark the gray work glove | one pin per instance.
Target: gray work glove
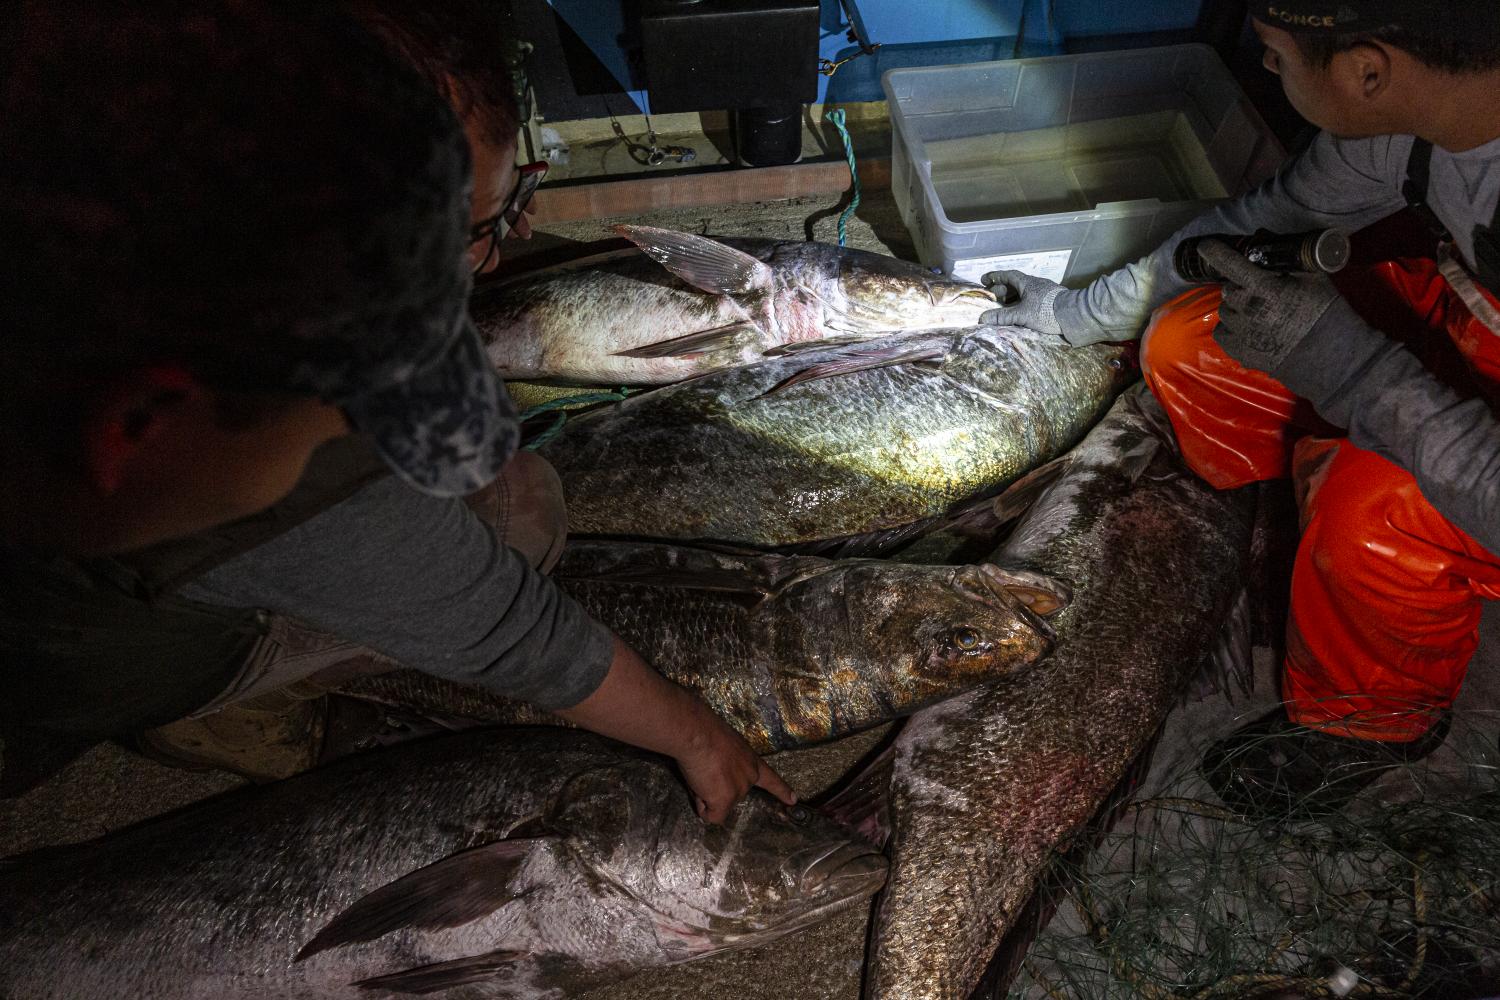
(1043, 306)
(1265, 314)
(1302, 332)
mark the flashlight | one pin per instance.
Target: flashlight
(1325, 250)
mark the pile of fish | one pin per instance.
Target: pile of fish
(522, 864)
(805, 521)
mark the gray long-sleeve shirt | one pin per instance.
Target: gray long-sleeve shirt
(1451, 446)
(423, 580)
(1348, 183)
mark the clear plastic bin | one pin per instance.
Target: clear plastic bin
(1067, 166)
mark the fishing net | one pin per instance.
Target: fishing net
(1395, 895)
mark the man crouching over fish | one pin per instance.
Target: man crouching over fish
(239, 246)
(1400, 489)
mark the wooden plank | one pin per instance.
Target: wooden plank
(638, 195)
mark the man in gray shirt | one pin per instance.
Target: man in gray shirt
(243, 396)
(1401, 517)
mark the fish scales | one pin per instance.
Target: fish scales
(790, 650)
(722, 458)
(986, 788)
(571, 861)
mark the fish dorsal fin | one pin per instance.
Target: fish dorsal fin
(448, 893)
(703, 263)
(731, 336)
(736, 588)
(445, 975)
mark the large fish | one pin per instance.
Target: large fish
(684, 305)
(790, 650)
(521, 864)
(986, 787)
(839, 442)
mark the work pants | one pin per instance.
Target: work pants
(1386, 591)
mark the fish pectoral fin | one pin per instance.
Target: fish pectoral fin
(447, 893)
(702, 262)
(731, 336)
(860, 360)
(445, 975)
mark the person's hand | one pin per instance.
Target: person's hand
(1265, 314)
(720, 769)
(1042, 306)
(639, 706)
(1025, 301)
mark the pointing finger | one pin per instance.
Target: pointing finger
(771, 782)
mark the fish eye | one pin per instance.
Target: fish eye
(965, 638)
(799, 815)
(1116, 364)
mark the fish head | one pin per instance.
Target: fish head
(950, 628)
(880, 293)
(768, 869)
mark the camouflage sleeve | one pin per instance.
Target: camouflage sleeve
(1347, 183)
(423, 580)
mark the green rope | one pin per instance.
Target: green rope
(837, 118)
(562, 418)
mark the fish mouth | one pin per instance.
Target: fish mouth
(993, 582)
(844, 863)
(950, 294)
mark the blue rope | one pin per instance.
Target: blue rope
(837, 117)
(562, 418)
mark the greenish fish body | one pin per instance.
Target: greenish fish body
(833, 443)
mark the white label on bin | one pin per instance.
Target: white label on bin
(1050, 264)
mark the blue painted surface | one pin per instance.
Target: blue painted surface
(912, 33)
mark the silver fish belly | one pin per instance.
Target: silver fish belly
(684, 305)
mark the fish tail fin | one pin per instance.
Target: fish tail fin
(702, 262)
(864, 804)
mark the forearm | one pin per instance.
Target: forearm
(1358, 378)
(637, 705)
(1331, 184)
(1451, 446)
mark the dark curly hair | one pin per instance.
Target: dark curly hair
(456, 45)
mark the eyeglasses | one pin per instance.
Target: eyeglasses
(496, 226)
